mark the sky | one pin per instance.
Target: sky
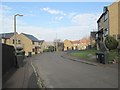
(50, 20)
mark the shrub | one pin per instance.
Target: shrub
(111, 43)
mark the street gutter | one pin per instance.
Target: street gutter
(82, 61)
(40, 82)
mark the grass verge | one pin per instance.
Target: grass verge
(91, 53)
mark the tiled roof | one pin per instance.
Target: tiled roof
(6, 35)
(76, 42)
(31, 37)
(85, 41)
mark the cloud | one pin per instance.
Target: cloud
(70, 15)
(82, 25)
(85, 20)
(52, 11)
(58, 18)
(4, 9)
(49, 34)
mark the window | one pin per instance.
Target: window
(19, 42)
(118, 36)
(33, 43)
(39, 43)
(105, 16)
(106, 32)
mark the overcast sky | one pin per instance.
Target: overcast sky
(66, 20)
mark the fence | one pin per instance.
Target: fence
(8, 58)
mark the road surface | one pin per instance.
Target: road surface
(58, 72)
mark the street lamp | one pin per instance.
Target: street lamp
(15, 28)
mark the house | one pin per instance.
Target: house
(27, 42)
(68, 45)
(6, 38)
(108, 22)
(76, 44)
(43, 45)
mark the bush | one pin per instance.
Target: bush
(46, 50)
(111, 43)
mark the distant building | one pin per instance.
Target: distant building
(76, 44)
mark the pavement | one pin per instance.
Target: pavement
(23, 77)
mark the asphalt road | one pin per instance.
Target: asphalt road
(58, 72)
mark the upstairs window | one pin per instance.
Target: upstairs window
(105, 16)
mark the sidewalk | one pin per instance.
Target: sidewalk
(23, 77)
(73, 58)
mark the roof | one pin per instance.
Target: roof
(6, 35)
(41, 41)
(31, 37)
(102, 14)
(76, 42)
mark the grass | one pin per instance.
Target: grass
(85, 54)
(90, 53)
(113, 55)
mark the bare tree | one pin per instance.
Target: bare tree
(59, 45)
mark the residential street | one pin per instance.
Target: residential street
(58, 72)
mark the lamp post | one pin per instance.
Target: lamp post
(15, 28)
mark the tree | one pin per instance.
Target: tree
(59, 45)
(51, 48)
(111, 43)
